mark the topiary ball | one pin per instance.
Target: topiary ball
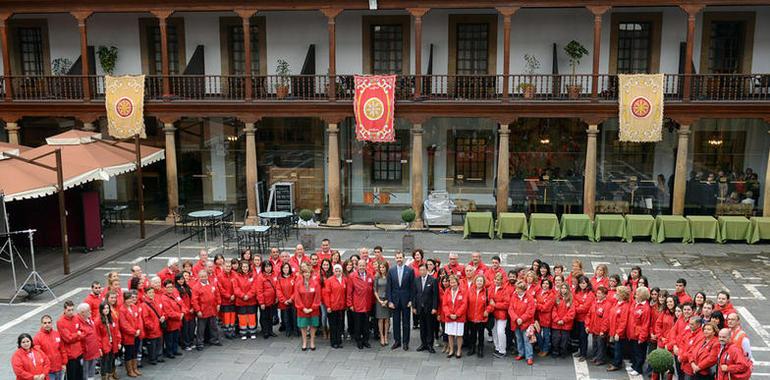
(305, 214)
(408, 215)
(660, 360)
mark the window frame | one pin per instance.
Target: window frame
(491, 21)
(13, 40)
(655, 19)
(367, 22)
(461, 163)
(225, 23)
(748, 43)
(145, 23)
(402, 139)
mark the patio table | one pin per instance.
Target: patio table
(543, 224)
(609, 225)
(760, 228)
(577, 225)
(704, 227)
(735, 228)
(478, 222)
(639, 225)
(672, 226)
(512, 223)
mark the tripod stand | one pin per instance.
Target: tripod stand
(7, 248)
(34, 279)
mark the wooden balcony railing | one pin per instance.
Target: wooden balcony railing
(438, 88)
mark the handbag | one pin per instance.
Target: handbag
(163, 324)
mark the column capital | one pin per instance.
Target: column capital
(169, 128)
(249, 128)
(166, 119)
(593, 130)
(162, 14)
(417, 129)
(331, 13)
(245, 14)
(11, 126)
(594, 120)
(335, 119)
(504, 129)
(417, 12)
(685, 120)
(507, 12)
(598, 10)
(332, 128)
(248, 118)
(508, 121)
(692, 9)
(420, 118)
(684, 130)
(81, 16)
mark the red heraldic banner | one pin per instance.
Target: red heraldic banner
(373, 104)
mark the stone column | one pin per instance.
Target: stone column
(416, 174)
(766, 194)
(162, 16)
(589, 177)
(692, 10)
(680, 174)
(597, 11)
(331, 14)
(506, 12)
(13, 132)
(172, 187)
(245, 15)
(503, 177)
(89, 126)
(81, 18)
(251, 173)
(333, 176)
(417, 13)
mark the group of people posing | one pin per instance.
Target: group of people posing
(528, 311)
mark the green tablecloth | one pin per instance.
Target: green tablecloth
(760, 228)
(609, 225)
(512, 223)
(640, 225)
(704, 227)
(544, 225)
(573, 225)
(672, 226)
(735, 228)
(481, 222)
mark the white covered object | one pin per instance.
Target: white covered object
(437, 209)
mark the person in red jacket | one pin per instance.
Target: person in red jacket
(723, 304)
(50, 343)
(108, 332)
(152, 318)
(477, 314)
(90, 342)
(454, 267)
(522, 312)
(665, 322)
(499, 299)
(130, 322)
(638, 329)
(307, 301)
(205, 302)
(732, 364)
(618, 323)
(600, 277)
(94, 299)
(584, 301)
(298, 258)
(172, 309)
(245, 291)
(598, 325)
(28, 362)
(335, 298)
(545, 299)
(562, 318)
(684, 347)
(681, 292)
(360, 298)
(454, 305)
(225, 284)
(267, 298)
(285, 290)
(170, 271)
(704, 354)
(184, 298)
(69, 329)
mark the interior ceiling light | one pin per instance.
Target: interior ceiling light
(373, 5)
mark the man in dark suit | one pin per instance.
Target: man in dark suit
(399, 293)
(425, 306)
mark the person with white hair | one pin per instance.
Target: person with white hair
(170, 271)
(334, 297)
(91, 341)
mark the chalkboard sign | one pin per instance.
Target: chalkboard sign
(261, 196)
(282, 197)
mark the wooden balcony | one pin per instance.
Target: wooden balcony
(434, 88)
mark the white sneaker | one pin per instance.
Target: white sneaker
(633, 373)
(253, 337)
(243, 337)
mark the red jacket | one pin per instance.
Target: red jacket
(597, 282)
(663, 326)
(50, 343)
(545, 301)
(502, 297)
(205, 299)
(458, 306)
(108, 342)
(90, 342)
(619, 319)
(151, 318)
(521, 307)
(129, 321)
(675, 332)
(245, 284)
(562, 312)
(285, 290)
(638, 327)
(295, 263)
(27, 365)
(598, 319)
(478, 303)
(583, 300)
(198, 267)
(93, 301)
(705, 354)
(307, 298)
(68, 330)
(173, 310)
(738, 365)
(335, 293)
(726, 310)
(225, 286)
(266, 290)
(686, 346)
(685, 298)
(360, 293)
(166, 274)
(457, 270)
(490, 274)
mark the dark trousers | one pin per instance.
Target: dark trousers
(351, 321)
(107, 363)
(129, 352)
(617, 352)
(171, 343)
(153, 348)
(207, 325)
(361, 327)
(582, 338)
(703, 377)
(336, 326)
(599, 348)
(476, 334)
(638, 351)
(427, 327)
(559, 340)
(510, 338)
(266, 321)
(75, 369)
(401, 325)
(188, 333)
(289, 317)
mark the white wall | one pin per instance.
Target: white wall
(289, 34)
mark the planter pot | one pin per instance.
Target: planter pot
(407, 243)
(573, 91)
(308, 241)
(529, 92)
(281, 92)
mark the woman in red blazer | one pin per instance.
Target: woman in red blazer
(598, 325)
(454, 305)
(562, 318)
(245, 291)
(522, 312)
(638, 329)
(584, 300)
(704, 353)
(267, 297)
(307, 301)
(285, 293)
(28, 362)
(152, 316)
(478, 312)
(618, 322)
(546, 299)
(173, 310)
(109, 340)
(499, 298)
(334, 297)
(130, 322)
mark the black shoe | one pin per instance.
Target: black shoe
(395, 345)
(265, 336)
(153, 362)
(218, 344)
(360, 346)
(480, 353)
(170, 357)
(282, 329)
(421, 348)
(366, 344)
(177, 354)
(272, 334)
(161, 360)
(472, 351)
(431, 350)
(406, 347)
(199, 348)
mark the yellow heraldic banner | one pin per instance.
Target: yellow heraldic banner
(124, 99)
(641, 107)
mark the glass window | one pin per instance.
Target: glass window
(386, 161)
(237, 51)
(634, 47)
(156, 62)
(472, 48)
(471, 158)
(726, 47)
(387, 49)
(31, 50)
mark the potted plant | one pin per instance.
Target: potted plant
(661, 361)
(60, 66)
(306, 220)
(283, 71)
(407, 242)
(531, 65)
(575, 51)
(108, 58)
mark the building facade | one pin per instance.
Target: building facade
(489, 106)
